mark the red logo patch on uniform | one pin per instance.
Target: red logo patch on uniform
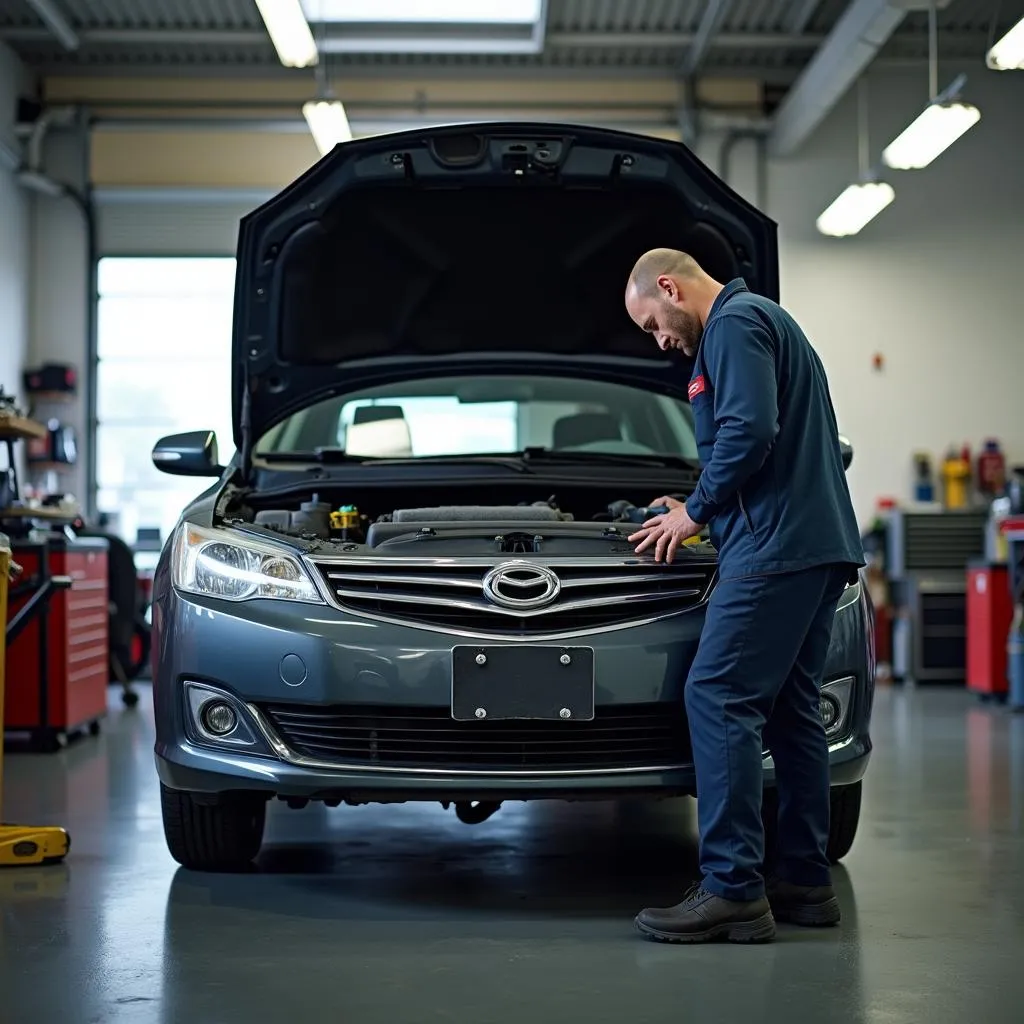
(696, 387)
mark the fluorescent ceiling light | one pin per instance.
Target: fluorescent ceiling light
(854, 207)
(289, 32)
(1008, 53)
(934, 130)
(424, 12)
(328, 123)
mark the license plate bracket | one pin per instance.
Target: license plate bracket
(510, 682)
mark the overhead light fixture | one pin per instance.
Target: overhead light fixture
(424, 12)
(429, 26)
(289, 32)
(328, 123)
(940, 124)
(1008, 53)
(861, 202)
(854, 207)
(934, 130)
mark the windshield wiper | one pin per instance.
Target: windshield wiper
(333, 456)
(312, 455)
(516, 461)
(611, 458)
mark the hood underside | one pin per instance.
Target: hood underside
(473, 247)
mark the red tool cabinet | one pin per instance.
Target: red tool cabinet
(58, 666)
(989, 613)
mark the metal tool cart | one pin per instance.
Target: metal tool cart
(927, 557)
(24, 844)
(57, 672)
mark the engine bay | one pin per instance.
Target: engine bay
(529, 526)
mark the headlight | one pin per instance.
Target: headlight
(220, 563)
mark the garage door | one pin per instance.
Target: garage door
(171, 222)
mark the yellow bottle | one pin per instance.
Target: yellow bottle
(956, 476)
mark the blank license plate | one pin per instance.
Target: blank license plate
(512, 682)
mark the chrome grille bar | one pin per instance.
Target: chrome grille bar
(402, 597)
(596, 593)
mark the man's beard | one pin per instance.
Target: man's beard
(687, 328)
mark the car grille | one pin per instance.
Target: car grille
(619, 737)
(593, 593)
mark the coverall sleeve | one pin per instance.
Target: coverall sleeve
(739, 357)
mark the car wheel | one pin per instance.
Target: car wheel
(844, 819)
(221, 836)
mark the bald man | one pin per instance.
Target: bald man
(774, 495)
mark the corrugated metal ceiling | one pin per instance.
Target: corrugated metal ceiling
(964, 28)
(155, 14)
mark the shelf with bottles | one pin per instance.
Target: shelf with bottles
(51, 382)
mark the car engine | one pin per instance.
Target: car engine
(530, 527)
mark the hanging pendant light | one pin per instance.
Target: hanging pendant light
(858, 204)
(940, 124)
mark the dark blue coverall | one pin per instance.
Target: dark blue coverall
(774, 491)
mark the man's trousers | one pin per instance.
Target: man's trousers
(754, 683)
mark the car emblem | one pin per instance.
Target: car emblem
(521, 585)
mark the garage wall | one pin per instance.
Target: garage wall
(59, 287)
(15, 245)
(933, 285)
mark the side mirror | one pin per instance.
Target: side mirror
(190, 454)
(847, 451)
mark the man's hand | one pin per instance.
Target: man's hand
(666, 532)
(665, 501)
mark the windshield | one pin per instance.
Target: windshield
(467, 415)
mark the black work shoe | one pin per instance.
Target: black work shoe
(814, 906)
(704, 917)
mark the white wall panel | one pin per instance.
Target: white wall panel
(15, 238)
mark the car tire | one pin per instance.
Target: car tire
(844, 819)
(225, 835)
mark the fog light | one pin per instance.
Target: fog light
(834, 706)
(219, 718)
(829, 710)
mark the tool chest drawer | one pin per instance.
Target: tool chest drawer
(58, 666)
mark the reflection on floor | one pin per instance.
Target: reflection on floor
(404, 915)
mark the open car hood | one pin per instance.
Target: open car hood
(472, 248)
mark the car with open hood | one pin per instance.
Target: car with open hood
(412, 580)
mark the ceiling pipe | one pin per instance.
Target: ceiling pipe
(407, 121)
(864, 28)
(54, 19)
(334, 43)
(711, 23)
(800, 14)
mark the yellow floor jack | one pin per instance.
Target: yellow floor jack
(21, 845)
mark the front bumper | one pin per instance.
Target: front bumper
(268, 652)
(189, 767)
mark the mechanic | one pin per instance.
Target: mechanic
(774, 495)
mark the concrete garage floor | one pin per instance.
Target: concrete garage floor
(403, 915)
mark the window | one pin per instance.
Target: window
(476, 416)
(164, 365)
